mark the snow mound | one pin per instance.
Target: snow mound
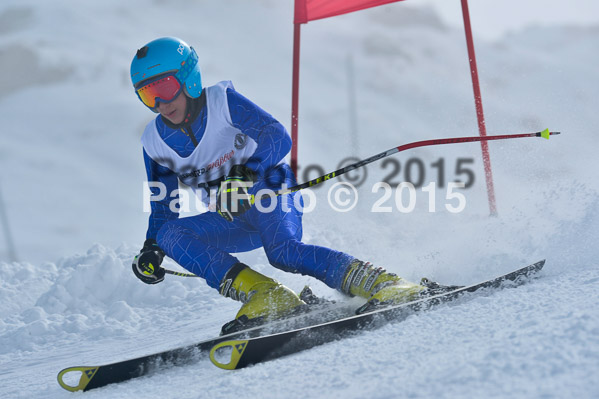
(88, 296)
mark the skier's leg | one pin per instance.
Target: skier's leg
(281, 233)
(202, 244)
(281, 237)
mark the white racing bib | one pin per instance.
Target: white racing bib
(221, 147)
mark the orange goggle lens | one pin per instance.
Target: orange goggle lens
(164, 89)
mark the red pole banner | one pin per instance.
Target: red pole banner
(310, 10)
(479, 109)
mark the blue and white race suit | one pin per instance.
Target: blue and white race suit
(230, 130)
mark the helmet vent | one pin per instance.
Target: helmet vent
(141, 53)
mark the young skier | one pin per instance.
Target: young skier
(213, 139)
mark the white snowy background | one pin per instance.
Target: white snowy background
(71, 176)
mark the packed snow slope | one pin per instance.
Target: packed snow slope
(72, 172)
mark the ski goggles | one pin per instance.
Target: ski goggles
(164, 89)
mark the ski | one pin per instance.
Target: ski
(99, 376)
(267, 341)
(91, 377)
(239, 353)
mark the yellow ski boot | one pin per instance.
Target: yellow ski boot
(377, 286)
(262, 296)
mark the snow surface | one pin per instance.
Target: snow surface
(71, 178)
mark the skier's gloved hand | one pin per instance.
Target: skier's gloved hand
(146, 265)
(233, 198)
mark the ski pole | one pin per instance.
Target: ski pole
(454, 140)
(174, 273)
(545, 134)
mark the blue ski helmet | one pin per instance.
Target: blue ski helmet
(168, 55)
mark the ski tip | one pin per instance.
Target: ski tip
(539, 265)
(228, 350)
(87, 373)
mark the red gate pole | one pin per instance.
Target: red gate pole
(479, 109)
(295, 95)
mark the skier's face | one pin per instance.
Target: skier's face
(175, 110)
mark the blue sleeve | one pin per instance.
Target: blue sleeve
(274, 143)
(161, 212)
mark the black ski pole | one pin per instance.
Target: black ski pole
(174, 273)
